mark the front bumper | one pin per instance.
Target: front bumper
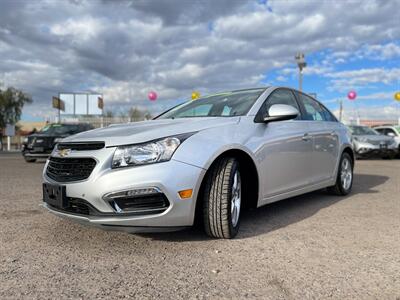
(168, 177)
(370, 150)
(35, 153)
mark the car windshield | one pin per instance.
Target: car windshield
(59, 129)
(228, 104)
(362, 130)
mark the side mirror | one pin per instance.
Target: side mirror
(281, 112)
(391, 134)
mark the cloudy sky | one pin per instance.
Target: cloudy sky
(124, 49)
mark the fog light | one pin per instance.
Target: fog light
(185, 194)
(131, 193)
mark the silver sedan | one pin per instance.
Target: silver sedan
(204, 160)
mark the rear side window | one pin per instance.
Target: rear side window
(281, 96)
(313, 110)
(327, 115)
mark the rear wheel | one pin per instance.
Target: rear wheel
(223, 199)
(344, 180)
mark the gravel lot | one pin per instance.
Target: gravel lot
(313, 246)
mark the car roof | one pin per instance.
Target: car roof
(251, 89)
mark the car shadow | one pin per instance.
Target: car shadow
(279, 214)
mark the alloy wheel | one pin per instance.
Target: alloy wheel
(236, 198)
(346, 173)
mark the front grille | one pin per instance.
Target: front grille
(70, 169)
(79, 206)
(81, 146)
(145, 205)
(153, 202)
(41, 142)
(376, 142)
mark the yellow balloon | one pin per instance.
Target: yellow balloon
(397, 96)
(195, 95)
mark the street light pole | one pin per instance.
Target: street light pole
(340, 110)
(301, 63)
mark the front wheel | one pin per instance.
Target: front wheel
(222, 199)
(344, 180)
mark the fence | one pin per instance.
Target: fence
(370, 123)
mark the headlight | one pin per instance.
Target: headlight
(147, 153)
(360, 139)
(25, 141)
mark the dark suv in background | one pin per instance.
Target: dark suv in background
(41, 143)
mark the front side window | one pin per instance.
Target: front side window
(228, 104)
(280, 96)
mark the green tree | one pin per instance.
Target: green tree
(148, 115)
(109, 114)
(136, 114)
(11, 103)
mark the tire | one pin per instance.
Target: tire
(343, 187)
(30, 160)
(222, 199)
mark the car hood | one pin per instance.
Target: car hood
(43, 135)
(375, 138)
(139, 132)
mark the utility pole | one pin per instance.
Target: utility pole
(301, 63)
(340, 110)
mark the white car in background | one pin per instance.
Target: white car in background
(392, 131)
(368, 142)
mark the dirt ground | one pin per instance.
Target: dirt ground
(309, 247)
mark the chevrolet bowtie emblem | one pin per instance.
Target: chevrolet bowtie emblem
(63, 152)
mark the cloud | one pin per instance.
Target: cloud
(345, 80)
(379, 52)
(126, 48)
(375, 112)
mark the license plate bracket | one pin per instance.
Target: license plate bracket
(38, 149)
(55, 195)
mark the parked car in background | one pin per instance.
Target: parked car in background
(392, 131)
(41, 143)
(204, 160)
(368, 142)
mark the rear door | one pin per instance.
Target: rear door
(323, 128)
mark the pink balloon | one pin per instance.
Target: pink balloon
(152, 96)
(352, 95)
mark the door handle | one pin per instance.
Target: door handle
(333, 132)
(305, 137)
